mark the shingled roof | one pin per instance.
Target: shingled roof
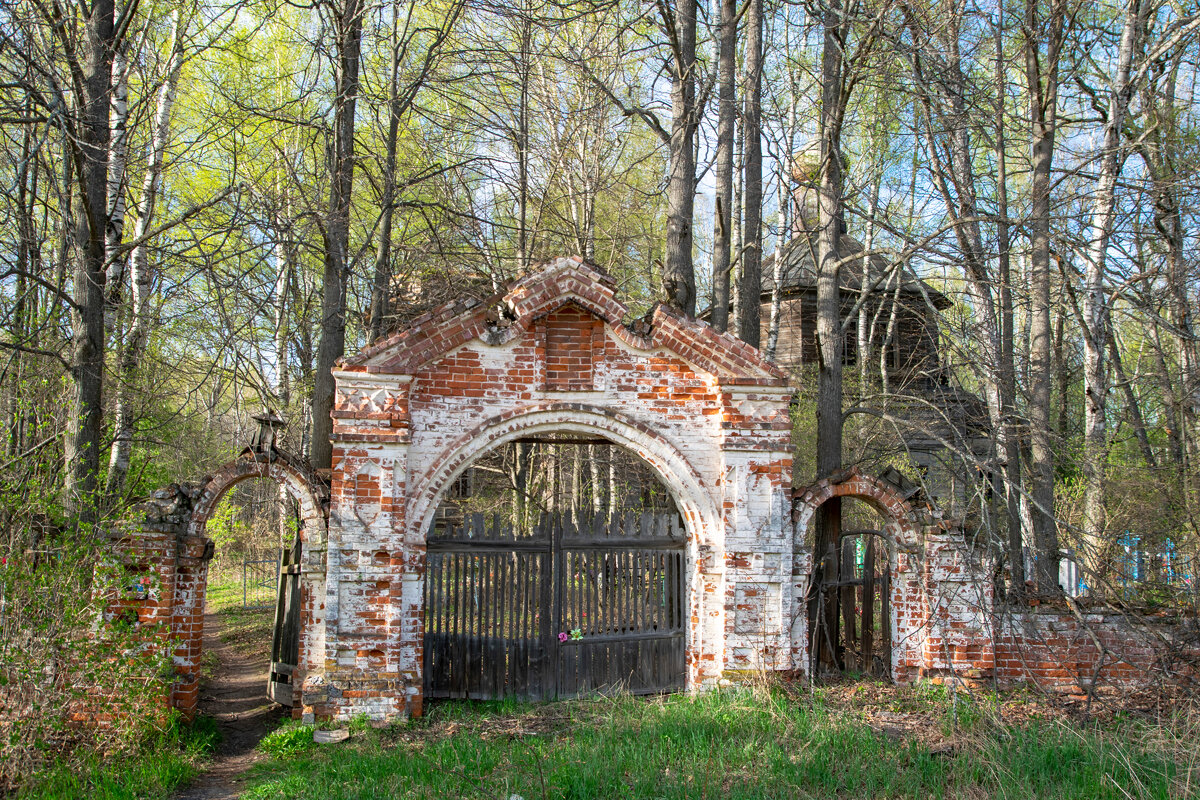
(799, 272)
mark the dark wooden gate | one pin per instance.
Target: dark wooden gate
(285, 640)
(853, 613)
(572, 607)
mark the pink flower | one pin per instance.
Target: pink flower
(563, 636)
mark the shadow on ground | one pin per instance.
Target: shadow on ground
(235, 697)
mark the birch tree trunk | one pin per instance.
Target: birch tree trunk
(142, 272)
(865, 311)
(1095, 306)
(117, 182)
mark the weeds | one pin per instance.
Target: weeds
(151, 768)
(757, 743)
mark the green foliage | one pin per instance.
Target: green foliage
(289, 739)
(72, 646)
(223, 526)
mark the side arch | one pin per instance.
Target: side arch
(901, 525)
(279, 467)
(190, 591)
(905, 559)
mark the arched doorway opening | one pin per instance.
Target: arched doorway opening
(556, 567)
(861, 571)
(263, 475)
(850, 609)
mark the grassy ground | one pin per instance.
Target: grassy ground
(836, 742)
(149, 768)
(247, 629)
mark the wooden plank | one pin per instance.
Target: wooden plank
(514, 629)
(868, 606)
(594, 576)
(846, 572)
(675, 580)
(475, 674)
(458, 634)
(508, 576)
(490, 632)
(885, 618)
(548, 642)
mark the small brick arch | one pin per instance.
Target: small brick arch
(905, 559)
(280, 468)
(188, 617)
(901, 525)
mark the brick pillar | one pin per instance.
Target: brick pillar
(187, 619)
(159, 587)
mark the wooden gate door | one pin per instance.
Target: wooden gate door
(854, 607)
(573, 607)
(285, 640)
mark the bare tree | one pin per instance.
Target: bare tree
(347, 45)
(1043, 40)
(751, 259)
(726, 124)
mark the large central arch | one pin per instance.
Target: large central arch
(686, 487)
(188, 617)
(553, 355)
(701, 517)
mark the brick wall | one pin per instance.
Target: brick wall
(555, 354)
(163, 588)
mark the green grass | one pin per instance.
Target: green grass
(247, 629)
(224, 592)
(727, 745)
(152, 768)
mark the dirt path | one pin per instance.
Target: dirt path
(236, 698)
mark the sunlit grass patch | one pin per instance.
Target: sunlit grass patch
(730, 744)
(153, 768)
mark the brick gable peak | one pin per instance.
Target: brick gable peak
(563, 281)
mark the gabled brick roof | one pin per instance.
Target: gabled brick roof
(509, 315)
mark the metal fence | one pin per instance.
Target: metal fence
(260, 582)
(1159, 572)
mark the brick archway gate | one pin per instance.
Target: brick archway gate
(701, 518)
(901, 534)
(263, 461)
(939, 596)
(554, 353)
